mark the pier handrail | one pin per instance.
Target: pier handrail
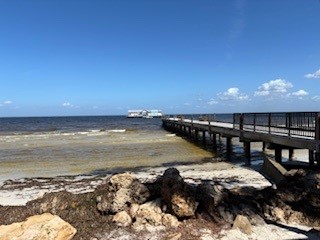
(292, 124)
(299, 124)
(283, 130)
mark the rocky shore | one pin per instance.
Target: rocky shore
(213, 200)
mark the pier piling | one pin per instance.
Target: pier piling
(229, 146)
(294, 130)
(247, 150)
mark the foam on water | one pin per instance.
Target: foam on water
(56, 153)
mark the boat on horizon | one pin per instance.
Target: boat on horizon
(143, 113)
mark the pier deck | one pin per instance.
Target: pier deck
(291, 130)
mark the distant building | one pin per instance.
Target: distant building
(143, 113)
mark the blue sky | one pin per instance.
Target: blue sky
(103, 57)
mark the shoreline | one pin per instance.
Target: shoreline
(19, 191)
(230, 176)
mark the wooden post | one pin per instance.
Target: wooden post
(278, 153)
(214, 140)
(189, 130)
(291, 154)
(269, 122)
(204, 137)
(241, 122)
(290, 123)
(263, 146)
(311, 157)
(196, 134)
(317, 156)
(317, 138)
(229, 147)
(247, 150)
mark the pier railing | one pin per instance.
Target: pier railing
(295, 124)
(298, 124)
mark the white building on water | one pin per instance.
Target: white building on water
(143, 113)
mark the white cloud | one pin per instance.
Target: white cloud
(212, 102)
(300, 93)
(233, 94)
(313, 75)
(274, 87)
(316, 98)
(67, 105)
(8, 102)
(186, 104)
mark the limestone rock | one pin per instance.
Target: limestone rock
(226, 214)
(210, 194)
(121, 198)
(122, 219)
(149, 216)
(38, 227)
(183, 205)
(177, 195)
(243, 223)
(121, 191)
(174, 236)
(133, 210)
(149, 213)
(169, 220)
(296, 218)
(278, 214)
(103, 203)
(121, 180)
(312, 181)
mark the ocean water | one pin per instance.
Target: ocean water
(59, 146)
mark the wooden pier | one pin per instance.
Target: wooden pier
(287, 130)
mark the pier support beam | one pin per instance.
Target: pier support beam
(311, 158)
(247, 151)
(278, 153)
(291, 154)
(214, 140)
(196, 134)
(189, 132)
(229, 147)
(317, 138)
(204, 138)
(263, 146)
(317, 156)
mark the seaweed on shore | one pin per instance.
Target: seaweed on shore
(295, 201)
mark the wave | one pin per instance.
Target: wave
(117, 130)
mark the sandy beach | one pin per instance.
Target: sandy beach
(20, 191)
(230, 176)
